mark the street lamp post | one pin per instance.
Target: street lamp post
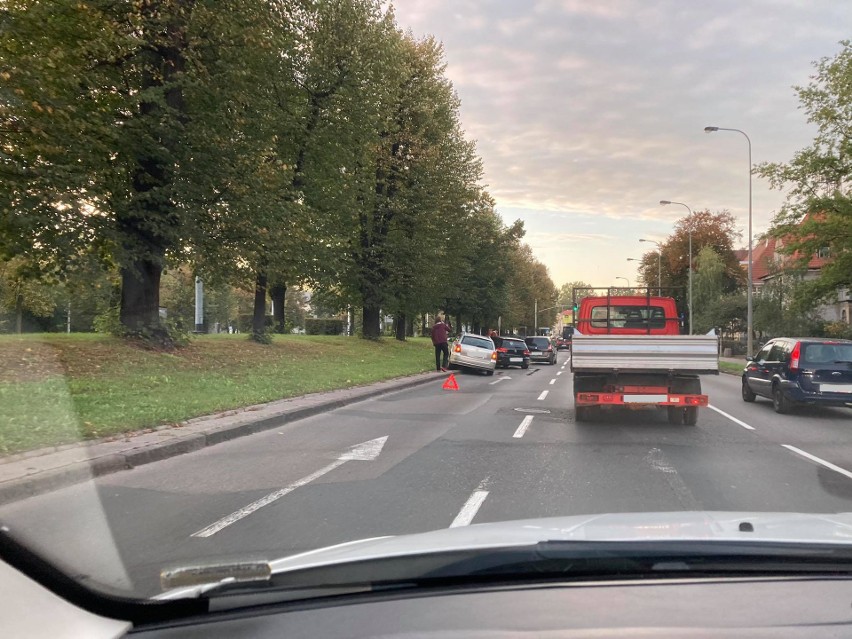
(749, 294)
(689, 266)
(625, 279)
(659, 262)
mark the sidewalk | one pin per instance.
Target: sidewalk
(39, 471)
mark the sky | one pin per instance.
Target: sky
(587, 113)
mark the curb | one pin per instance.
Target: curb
(202, 436)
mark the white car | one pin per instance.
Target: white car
(475, 352)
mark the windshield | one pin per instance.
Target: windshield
(245, 245)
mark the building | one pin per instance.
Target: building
(769, 262)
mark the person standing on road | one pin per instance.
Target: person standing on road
(440, 333)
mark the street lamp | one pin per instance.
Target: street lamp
(625, 279)
(749, 318)
(689, 266)
(659, 263)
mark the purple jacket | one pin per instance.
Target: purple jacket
(440, 333)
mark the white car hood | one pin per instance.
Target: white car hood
(634, 527)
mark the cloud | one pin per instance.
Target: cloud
(595, 110)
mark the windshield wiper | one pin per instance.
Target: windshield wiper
(543, 562)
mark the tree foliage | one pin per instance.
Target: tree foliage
(817, 214)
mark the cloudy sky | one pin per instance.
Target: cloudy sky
(588, 112)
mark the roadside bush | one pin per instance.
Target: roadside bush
(323, 326)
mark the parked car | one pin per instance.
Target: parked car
(475, 352)
(793, 372)
(511, 351)
(541, 349)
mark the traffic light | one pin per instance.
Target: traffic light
(576, 307)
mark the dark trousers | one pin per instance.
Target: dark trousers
(442, 348)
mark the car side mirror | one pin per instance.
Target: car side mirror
(749, 358)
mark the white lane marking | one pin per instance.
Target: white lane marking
(552, 381)
(470, 508)
(559, 372)
(523, 427)
(365, 451)
(497, 381)
(731, 417)
(816, 459)
(543, 395)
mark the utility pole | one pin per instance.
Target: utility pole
(199, 305)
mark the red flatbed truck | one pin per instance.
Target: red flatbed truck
(628, 351)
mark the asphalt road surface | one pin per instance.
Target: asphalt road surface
(500, 448)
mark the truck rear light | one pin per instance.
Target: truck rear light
(794, 357)
(457, 348)
(692, 401)
(588, 397)
(608, 398)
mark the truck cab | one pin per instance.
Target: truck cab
(628, 315)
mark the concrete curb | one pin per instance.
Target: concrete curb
(35, 472)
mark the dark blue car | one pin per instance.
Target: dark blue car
(793, 371)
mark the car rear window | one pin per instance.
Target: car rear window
(538, 342)
(513, 343)
(481, 342)
(826, 353)
(629, 316)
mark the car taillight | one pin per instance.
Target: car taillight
(526, 352)
(457, 348)
(502, 350)
(795, 356)
(494, 355)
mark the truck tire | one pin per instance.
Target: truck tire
(586, 413)
(686, 415)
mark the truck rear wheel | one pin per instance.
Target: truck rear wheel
(686, 415)
(586, 413)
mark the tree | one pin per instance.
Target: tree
(817, 214)
(708, 288)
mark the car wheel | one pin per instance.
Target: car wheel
(748, 394)
(780, 403)
(525, 365)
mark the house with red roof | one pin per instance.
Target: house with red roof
(768, 263)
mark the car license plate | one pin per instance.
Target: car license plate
(836, 388)
(516, 359)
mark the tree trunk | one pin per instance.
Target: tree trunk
(140, 296)
(258, 321)
(424, 325)
(409, 327)
(19, 314)
(400, 322)
(371, 328)
(277, 292)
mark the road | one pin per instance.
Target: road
(500, 448)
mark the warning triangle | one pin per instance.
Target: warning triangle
(451, 383)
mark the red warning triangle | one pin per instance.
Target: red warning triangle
(451, 383)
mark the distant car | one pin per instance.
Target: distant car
(541, 349)
(511, 352)
(475, 352)
(804, 371)
(563, 344)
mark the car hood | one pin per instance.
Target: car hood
(683, 526)
(629, 527)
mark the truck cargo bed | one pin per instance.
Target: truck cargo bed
(695, 354)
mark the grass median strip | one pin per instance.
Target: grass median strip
(731, 367)
(59, 389)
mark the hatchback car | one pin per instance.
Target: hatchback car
(541, 349)
(793, 372)
(511, 352)
(474, 352)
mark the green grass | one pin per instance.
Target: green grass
(58, 389)
(730, 367)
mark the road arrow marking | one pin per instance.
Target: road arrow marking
(366, 451)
